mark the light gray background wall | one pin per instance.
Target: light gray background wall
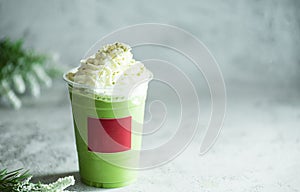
(255, 42)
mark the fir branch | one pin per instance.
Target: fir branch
(18, 181)
(8, 180)
(15, 59)
(21, 68)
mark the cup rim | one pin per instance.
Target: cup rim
(79, 85)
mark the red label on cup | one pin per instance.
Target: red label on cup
(109, 135)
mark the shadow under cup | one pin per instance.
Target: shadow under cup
(108, 132)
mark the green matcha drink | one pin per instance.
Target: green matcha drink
(108, 93)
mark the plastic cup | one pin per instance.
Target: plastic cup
(108, 131)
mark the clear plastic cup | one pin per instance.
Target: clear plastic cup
(108, 124)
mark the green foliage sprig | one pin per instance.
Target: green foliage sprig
(18, 181)
(22, 69)
(10, 179)
(15, 59)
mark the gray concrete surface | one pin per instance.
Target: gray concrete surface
(257, 150)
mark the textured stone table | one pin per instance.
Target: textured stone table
(258, 148)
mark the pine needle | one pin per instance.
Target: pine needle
(19, 181)
(9, 179)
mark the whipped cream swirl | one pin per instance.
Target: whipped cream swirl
(112, 65)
